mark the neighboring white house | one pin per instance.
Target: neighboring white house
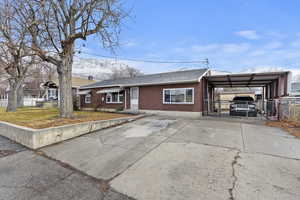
(52, 87)
(47, 91)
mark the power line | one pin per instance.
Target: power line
(203, 61)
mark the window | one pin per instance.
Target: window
(114, 97)
(87, 98)
(52, 93)
(178, 96)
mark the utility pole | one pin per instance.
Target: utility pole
(206, 62)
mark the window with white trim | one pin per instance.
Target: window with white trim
(88, 98)
(114, 97)
(178, 96)
(52, 93)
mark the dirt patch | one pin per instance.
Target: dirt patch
(289, 126)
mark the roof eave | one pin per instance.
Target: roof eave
(204, 74)
(143, 84)
(256, 73)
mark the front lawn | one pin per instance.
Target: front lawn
(38, 118)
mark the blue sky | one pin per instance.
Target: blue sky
(234, 35)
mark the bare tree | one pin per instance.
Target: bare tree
(15, 56)
(57, 24)
(125, 72)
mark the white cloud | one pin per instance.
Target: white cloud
(258, 52)
(275, 35)
(178, 49)
(295, 43)
(273, 45)
(248, 34)
(205, 48)
(238, 56)
(235, 48)
(225, 48)
(130, 44)
(266, 48)
(263, 68)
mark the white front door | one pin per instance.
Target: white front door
(134, 98)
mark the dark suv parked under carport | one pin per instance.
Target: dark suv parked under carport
(243, 106)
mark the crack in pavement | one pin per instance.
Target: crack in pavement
(242, 135)
(235, 178)
(4, 153)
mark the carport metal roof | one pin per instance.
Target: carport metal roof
(245, 79)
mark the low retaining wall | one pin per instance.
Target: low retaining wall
(36, 138)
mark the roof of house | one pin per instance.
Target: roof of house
(77, 81)
(186, 76)
(245, 79)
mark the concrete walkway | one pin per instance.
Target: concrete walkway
(163, 158)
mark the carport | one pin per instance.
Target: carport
(273, 85)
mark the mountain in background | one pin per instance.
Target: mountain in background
(102, 69)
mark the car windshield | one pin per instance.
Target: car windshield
(243, 98)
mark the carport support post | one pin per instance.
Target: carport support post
(247, 109)
(263, 100)
(219, 104)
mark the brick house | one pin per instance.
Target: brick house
(183, 93)
(179, 92)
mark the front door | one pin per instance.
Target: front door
(134, 98)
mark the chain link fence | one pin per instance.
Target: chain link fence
(289, 109)
(226, 108)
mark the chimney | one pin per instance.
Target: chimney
(90, 78)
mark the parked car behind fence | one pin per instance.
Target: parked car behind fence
(243, 106)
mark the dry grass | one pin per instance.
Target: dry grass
(289, 126)
(38, 118)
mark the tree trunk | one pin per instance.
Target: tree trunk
(20, 97)
(65, 83)
(12, 97)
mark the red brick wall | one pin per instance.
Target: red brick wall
(151, 98)
(96, 101)
(127, 96)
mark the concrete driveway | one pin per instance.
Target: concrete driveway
(27, 175)
(165, 158)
